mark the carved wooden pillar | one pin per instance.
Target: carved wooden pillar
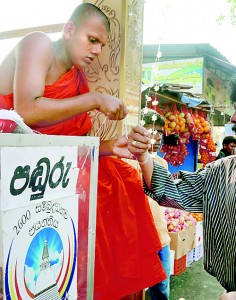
(117, 71)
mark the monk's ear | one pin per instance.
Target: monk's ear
(68, 29)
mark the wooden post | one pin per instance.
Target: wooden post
(117, 71)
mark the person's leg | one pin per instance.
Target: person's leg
(161, 291)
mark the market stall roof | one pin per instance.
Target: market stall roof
(177, 93)
(186, 51)
(180, 51)
(223, 65)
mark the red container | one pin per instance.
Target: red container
(180, 265)
(7, 126)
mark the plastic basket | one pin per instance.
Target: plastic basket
(180, 265)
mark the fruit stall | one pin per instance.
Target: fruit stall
(186, 233)
(187, 140)
(187, 132)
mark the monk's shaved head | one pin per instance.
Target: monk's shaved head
(85, 11)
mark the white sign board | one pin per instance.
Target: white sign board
(48, 194)
(41, 173)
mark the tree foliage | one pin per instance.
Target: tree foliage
(231, 15)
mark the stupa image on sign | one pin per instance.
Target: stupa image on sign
(43, 265)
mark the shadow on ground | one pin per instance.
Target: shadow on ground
(194, 284)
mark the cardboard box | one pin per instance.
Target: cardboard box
(179, 243)
(172, 260)
(191, 237)
(189, 258)
(199, 234)
(198, 252)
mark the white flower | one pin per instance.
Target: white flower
(156, 88)
(159, 54)
(142, 122)
(153, 154)
(154, 118)
(148, 98)
(153, 141)
(155, 102)
(145, 110)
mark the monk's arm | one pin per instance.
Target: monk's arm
(34, 57)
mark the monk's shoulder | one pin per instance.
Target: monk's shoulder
(36, 40)
(36, 47)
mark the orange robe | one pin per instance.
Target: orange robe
(126, 259)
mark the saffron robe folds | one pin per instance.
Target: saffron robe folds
(127, 243)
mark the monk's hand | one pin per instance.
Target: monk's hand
(139, 142)
(112, 107)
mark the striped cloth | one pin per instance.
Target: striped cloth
(212, 191)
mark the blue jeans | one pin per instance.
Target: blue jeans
(161, 290)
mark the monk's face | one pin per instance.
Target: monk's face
(85, 42)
